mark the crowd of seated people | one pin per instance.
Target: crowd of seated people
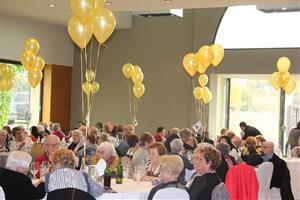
(166, 158)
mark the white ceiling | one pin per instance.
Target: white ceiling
(39, 9)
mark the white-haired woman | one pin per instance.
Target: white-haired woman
(14, 180)
(77, 146)
(170, 169)
(107, 152)
(57, 131)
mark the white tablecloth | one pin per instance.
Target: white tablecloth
(294, 167)
(129, 189)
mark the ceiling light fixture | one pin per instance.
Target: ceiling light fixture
(168, 1)
(108, 3)
(284, 8)
(51, 5)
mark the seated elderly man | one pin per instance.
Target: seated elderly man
(189, 142)
(281, 175)
(14, 180)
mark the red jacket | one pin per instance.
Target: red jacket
(241, 183)
(39, 160)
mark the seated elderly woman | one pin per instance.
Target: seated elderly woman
(107, 152)
(177, 149)
(155, 150)
(20, 142)
(206, 160)
(14, 180)
(170, 168)
(250, 153)
(140, 156)
(65, 176)
(77, 146)
(4, 147)
(227, 160)
(233, 149)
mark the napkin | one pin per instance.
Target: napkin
(100, 167)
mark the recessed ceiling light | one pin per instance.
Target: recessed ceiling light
(108, 3)
(284, 8)
(168, 1)
(51, 5)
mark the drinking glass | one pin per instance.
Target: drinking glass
(45, 168)
(34, 169)
(139, 172)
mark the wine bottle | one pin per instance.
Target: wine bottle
(119, 176)
(107, 177)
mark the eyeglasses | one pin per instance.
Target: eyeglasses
(52, 145)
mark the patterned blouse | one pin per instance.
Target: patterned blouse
(154, 172)
(71, 178)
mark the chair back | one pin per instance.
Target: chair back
(36, 150)
(264, 175)
(69, 194)
(2, 194)
(220, 192)
(171, 193)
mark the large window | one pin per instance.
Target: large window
(247, 27)
(20, 105)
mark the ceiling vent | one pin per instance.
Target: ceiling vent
(160, 13)
(278, 8)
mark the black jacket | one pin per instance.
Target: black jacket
(18, 186)
(250, 131)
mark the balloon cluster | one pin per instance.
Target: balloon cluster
(201, 60)
(135, 73)
(90, 86)
(31, 62)
(90, 17)
(282, 78)
(202, 92)
(6, 77)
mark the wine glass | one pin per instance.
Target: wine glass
(139, 172)
(34, 169)
(45, 168)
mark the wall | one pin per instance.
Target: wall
(55, 45)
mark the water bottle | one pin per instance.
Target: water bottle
(119, 176)
(107, 177)
(289, 153)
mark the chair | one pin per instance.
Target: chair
(275, 194)
(2, 194)
(36, 150)
(264, 176)
(241, 182)
(171, 193)
(69, 194)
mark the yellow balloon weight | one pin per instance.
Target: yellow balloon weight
(80, 33)
(83, 9)
(198, 93)
(205, 55)
(283, 64)
(27, 59)
(128, 70)
(87, 88)
(33, 45)
(203, 79)
(89, 75)
(138, 90)
(276, 80)
(34, 78)
(104, 24)
(138, 78)
(207, 98)
(99, 3)
(290, 85)
(38, 65)
(190, 64)
(218, 54)
(95, 87)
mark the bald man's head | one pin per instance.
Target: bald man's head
(51, 144)
(268, 148)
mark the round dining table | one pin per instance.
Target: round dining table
(294, 167)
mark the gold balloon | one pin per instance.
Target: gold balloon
(99, 3)
(104, 24)
(138, 78)
(127, 70)
(80, 33)
(205, 55)
(38, 65)
(289, 85)
(283, 64)
(207, 98)
(190, 63)
(284, 76)
(6, 71)
(198, 93)
(27, 59)
(6, 84)
(138, 90)
(87, 88)
(34, 78)
(218, 54)
(205, 92)
(33, 45)
(203, 79)
(83, 9)
(89, 75)
(201, 69)
(136, 70)
(276, 80)
(95, 87)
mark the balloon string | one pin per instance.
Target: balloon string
(195, 100)
(97, 60)
(81, 76)
(85, 57)
(130, 100)
(91, 55)
(134, 111)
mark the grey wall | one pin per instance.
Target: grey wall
(158, 46)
